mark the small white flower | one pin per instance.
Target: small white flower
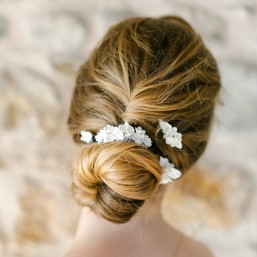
(169, 172)
(165, 179)
(164, 126)
(86, 136)
(108, 129)
(127, 130)
(101, 136)
(118, 134)
(140, 137)
(170, 134)
(109, 138)
(174, 173)
(147, 141)
(137, 139)
(165, 163)
(107, 134)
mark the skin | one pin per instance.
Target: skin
(147, 234)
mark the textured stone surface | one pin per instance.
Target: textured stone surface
(239, 95)
(42, 44)
(3, 27)
(59, 32)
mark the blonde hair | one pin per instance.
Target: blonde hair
(143, 70)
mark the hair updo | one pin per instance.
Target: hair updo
(143, 70)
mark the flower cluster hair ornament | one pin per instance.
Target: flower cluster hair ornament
(126, 132)
(170, 134)
(123, 132)
(169, 172)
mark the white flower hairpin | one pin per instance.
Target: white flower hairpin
(123, 132)
(126, 132)
(170, 134)
(169, 173)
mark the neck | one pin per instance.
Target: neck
(147, 217)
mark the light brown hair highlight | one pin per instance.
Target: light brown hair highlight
(143, 70)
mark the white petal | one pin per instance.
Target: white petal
(101, 135)
(86, 136)
(174, 129)
(165, 178)
(164, 125)
(147, 141)
(126, 124)
(169, 165)
(178, 145)
(108, 128)
(138, 141)
(163, 161)
(109, 138)
(170, 141)
(98, 138)
(130, 130)
(175, 174)
(122, 128)
(170, 132)
(179, 136)
(119, 135)
(135, 136)
(140, 130)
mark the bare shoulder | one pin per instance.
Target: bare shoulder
(193, 248)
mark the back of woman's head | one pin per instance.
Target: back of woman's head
(143, 70)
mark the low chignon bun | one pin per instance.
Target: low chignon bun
(114, 179)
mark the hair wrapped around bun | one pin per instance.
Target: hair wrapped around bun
(115, 178)
(143, 70)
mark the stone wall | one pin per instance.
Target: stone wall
(42, 44)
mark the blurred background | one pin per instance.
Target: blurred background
(42, 45)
